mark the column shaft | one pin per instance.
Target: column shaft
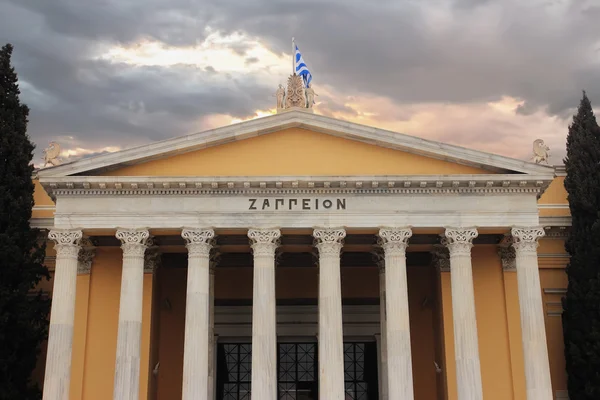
(399, 359)
(466, 343)
(331, 338)
(60, 338)
(535, 348)
(211, 335)
(197, 314)
(383, 347)
(264, 319)
(127, 366)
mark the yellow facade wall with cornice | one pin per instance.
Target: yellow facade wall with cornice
(295, 151)
(303, 152)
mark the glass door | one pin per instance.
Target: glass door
(297, 371)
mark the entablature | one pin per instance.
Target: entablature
(290, 185)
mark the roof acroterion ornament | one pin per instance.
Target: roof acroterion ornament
(51, 154)
(299, 94)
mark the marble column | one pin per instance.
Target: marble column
(127, 366)
(382, 337)
(329, 242)
(60, 337)
(535, 348)
(264, 242)
(197, 314)
(212, 340)
(399, 360)
(466, 343)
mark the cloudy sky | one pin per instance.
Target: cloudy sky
(102, 75)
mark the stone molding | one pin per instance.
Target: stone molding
(526, 238)
(299, 119)
(67, 242)
(85, 259)
(394, 240)
(264, 241)
(460, 240)
(379, 257)
(409, 184)
(152, 260)
(441, 258)
(507, 256)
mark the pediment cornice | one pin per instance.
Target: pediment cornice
(289, 185)
(297, 119)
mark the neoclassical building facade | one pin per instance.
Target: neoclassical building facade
(297, 256)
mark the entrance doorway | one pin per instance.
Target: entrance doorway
(297, 368)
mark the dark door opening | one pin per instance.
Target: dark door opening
(297, 371)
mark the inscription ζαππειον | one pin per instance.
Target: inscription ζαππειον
(295, 204)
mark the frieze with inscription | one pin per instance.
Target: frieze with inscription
(296, 204)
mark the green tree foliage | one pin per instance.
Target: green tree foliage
(23, 311)
(581, 317)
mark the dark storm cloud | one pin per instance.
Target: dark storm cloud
(536, 51)
(442, 51)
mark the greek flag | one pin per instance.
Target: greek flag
(302, 69)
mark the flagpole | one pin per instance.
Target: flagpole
(293, 56)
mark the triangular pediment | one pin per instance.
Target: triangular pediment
(295, 143)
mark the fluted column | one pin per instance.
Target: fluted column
(399, 361)
(264, 242)
(329, 242)
(197, 314)
(466, 344)
(537, 367)
(60, 337)
(382, 339)
(212, 359)
(127, 366)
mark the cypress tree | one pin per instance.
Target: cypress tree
(581, 316)
(23, 311)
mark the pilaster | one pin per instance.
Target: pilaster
(84, 268)
(506, 252)
(379, 259)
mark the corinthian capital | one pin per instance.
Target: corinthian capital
(199, 241)
(460, 240)
(133, 241)
(394, 240)
(441, 258)
(526, 238)
(152, 260)
(329, 240)
(66, 242)
(264, 242)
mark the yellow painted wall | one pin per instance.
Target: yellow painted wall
(553, 202)
(554, 279)
(102, 324)
(295, 152)
(43, 204)
(236, 283)
(103, 317)
(492, 327)
(555, 193)
(79, 336)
